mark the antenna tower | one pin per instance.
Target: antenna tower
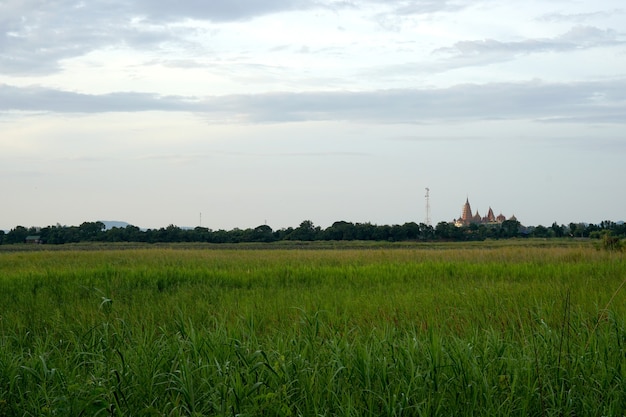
(428, 206)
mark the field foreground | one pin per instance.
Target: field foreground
(383, 332)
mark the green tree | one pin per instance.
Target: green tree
(398, 233)
(382, 232)
(559, 231)
(340, 230)
(579, 229)
(263, 233)
(510, 228)
(445, 230)
(412, 230)
(306, 231)
(540, 231)
(171, 233)
(90, 231)
(365, 231)
(572, 229)
(220, 236)
(427, 232)
(52, 235)
(16, 235)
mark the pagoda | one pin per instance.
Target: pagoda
(468, 218)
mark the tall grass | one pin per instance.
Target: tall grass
(477, 331)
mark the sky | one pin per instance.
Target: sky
(237, 113)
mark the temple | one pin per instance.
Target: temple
(468, 218)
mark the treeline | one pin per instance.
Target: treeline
(307, 231)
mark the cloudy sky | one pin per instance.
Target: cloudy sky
(276, 111)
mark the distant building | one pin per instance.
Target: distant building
(468, 218)
(32, 239)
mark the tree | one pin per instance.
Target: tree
(540, 231)
(427, 232)
(364, 231)
(382, 233)
(129, 233)
(443, 230)
(412, 230)
(16, 235)
(559, 231)
(220, 236)
(263, 233)
(171, 233)
(579, 230)
(397, 233)
(52, 235)
(91, 230)
(340, 230)
(510, 228)
(306, 231)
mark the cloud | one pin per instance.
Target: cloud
(578, 17)
(36, 35)
(400, 8)
(39, 99)
(325, 154)
(484, 52)
(531, 100)
(579, 37)
(215, 10)
(438, 138)
(599, 101)
(397, 7)
(400, 11)
(582, 37)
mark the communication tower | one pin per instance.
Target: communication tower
(428, 206)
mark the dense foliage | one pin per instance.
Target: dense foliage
(307, 231)
(480, 329)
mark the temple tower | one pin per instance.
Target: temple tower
(466, 214)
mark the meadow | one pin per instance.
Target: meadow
(474, 329)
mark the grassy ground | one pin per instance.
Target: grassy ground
(480, 329)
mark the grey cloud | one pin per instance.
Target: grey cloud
(35, 34)
(530, 100)
(37, 99)
(215, 10)
(180, 63)
(590, 37)
(427, 6)
(411, 7)
(402, 10)
(439, 138)
(489, 51)
(475, 53)
(280, 48)
(599, 102)
(614, 117)
(325, 154)
(578, 17)
(579, 37)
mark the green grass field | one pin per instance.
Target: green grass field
(481, 329)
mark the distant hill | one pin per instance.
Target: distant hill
(110, 224)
